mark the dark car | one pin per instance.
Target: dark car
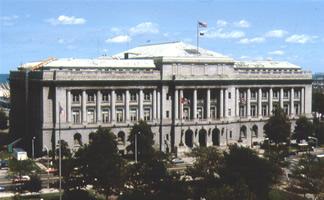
(4, 164)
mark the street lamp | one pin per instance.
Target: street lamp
(33, 148)
(47, 152)
(138, 133)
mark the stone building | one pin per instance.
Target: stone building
(189, 99)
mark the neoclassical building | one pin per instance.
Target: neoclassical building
(189, 98)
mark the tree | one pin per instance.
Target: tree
(21, 167)
(145, 140)
(318, 102)
(100, 164)
(303, 129)
(34, 184)
(3, 120)
(319, 130)
(277, 129)
(243, 165)
(65, 150)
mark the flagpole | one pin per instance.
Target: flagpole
(60, 155)
(197, 38)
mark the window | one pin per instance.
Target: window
(147, 96)
(133, 114)
(76, 116)
(77, 139)
(286, 108)
(253, 110)
(253, 95)
(275, 94)
(213, 112)
(286, 94)
(229, 95)
(168, 96)
(243, 132)
(147, 114)
(297, 111)
(242, 111)
(91, 118)
(91, 97)
(119, 97)
(75, 98)
(264, 110)
(242, 95)
(229, 112)
(296, 94)
(264, 95)
(200, 113)
(133, 96)
(121, 137)
(105, 97)
(105, 115)
(186, 113)
(230, 134)
(120, 115)
(167, 114)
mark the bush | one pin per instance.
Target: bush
(77, 194)
(34, 184)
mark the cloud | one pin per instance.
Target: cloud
(242, 24)
(276, 33)
(252, 40)
(115, 30)
(300, 39)
(219, 33)
(145, 27)
(66, 20)
(119, 39)
(277, 52)
(8, 20)
(221, 23)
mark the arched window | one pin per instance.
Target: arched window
(255, 131)
(215, 137)
(91, 136)
(203, 138)
(77, 139)
(243, 132)
(121, 137)
(189, 138)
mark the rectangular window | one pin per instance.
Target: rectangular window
(213, 112)
(167, 114)
(253, 95)
(91, 118)
(242, 111)
(75, 98)
(264, 95)
(253, 110)
(133, 114)
(147, 96)
(297, 112)
(105, 97)
(119, 97)
(229, 112)
(91, 97)
(286, 94)
(76, 116)
(105, 115)
(286, 108)
(296, 94)
(147, 114)
(229, 95)
(200, 113)
(275, 94)
(119, 115)
(186, 113)
(133, 96)
(264, 110)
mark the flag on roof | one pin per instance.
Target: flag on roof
(202, 24)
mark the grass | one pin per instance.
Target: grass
(276, 194)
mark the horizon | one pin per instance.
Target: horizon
(291, 31)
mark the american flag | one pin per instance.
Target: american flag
(202, 24)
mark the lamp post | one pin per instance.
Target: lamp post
(136, 146)
(47, 152)
(33, 148)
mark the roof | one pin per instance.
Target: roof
(170, 49)
(266, 65)
(94, 63)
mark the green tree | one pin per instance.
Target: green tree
(318, 102)
(65, 150)
(277, 129)
(243, 165)
(21, 167)
(3, 120)
(145, 140)
(34, 184)
(319, 130)
(100, 164)
(303, 129)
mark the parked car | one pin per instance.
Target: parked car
(20, 179)
(2, 188)
(177, 161)
(4, 164)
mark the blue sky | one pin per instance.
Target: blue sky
(291, 30)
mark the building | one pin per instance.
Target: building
(318, 82)
(189, 99)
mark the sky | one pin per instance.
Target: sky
(286, 30)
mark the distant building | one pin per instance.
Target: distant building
(318, 82)
(188, 99)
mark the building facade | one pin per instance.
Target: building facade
(189, 98)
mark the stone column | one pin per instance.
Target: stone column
(221, 104)
(68, 106)
(140, 105)
(181, 104)
(195, 104)
(98, 106)
(113, 106)
(127, 99)
(292, 110)
(248, 102)
(260, 103)
(208, 104)
(158, 105)
(237, 102)
(302, 101)
(84, 106)
(281, 97)
(154, 104)
(225, 103)
(176, 103)
(270, 101)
